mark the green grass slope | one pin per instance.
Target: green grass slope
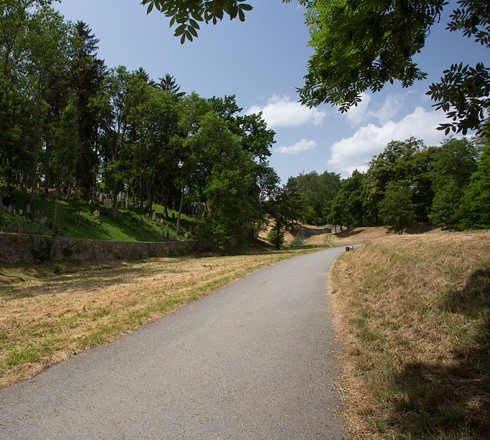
(75, 218)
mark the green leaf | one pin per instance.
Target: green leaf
(194, 24)
(180, 30)
(193, 32)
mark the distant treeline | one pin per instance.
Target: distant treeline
(447, 185)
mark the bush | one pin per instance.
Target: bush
(276, 238)
(41, 249)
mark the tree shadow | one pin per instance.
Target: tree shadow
(419, 229)
(79, 276)
(349, 232)
(447, 401)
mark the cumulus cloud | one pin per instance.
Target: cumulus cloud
(280, 111)
(356, 151)
(360, 114)
(390, 108)
(298, 147)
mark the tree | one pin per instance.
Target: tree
(232, 195)
(47, 39)
(404, 163)
(113, 107)
(317, 191)
(256, 137)
(169, 84)
(283, 206)
(86, 74)
(396, 208)
(63, 159)
(451, 167)
(475, 206)
(16, 131)
(362, 45)
(352, 197)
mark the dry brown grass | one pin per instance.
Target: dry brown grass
(46, 318)
(352, 236)
(413, 313)
(349, 237)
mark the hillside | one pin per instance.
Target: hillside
(89, 220)
(413, 315)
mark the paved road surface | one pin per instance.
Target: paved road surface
(252, 361)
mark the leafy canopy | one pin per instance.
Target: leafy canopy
(186, 14)
(361, 45)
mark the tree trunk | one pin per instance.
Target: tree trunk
(181, 206)
(114, 203)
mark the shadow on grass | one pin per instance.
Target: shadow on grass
(88, 276)
(419, 229)
(80, 276)
(452, 402)
(349, 232)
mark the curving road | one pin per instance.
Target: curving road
(254, 360)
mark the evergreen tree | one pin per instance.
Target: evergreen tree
(169, 84)
(87, 74)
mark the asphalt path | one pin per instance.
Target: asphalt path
(254, 360)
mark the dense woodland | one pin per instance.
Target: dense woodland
(70, 127)
(406, 184)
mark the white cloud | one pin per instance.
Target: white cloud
(358, 114)
(356, 151)
(298, 147)
(280, 111)
(390, 108)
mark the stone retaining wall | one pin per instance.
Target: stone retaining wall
(22, 248)
(308, 232)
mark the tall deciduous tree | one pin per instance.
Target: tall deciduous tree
(401, 162)
(47, 38)
(451, 167)
(475, 206)
(317, 191)
(396, 208)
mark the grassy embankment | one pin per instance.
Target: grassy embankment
(45, 318)
(413, 315)
(75, 218)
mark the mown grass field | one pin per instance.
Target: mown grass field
(413, 315)
(46, 318)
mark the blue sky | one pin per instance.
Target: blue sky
(262, 61)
